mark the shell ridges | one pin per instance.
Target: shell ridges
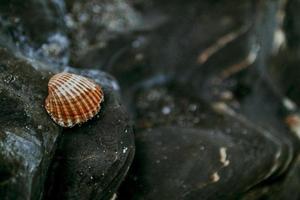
(72, 99)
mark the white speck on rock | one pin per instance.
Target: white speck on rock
(215, 177)
(289, 104)
(139, 57)
(223, 108)
(193, 107)
(125, 149)
(166, 110)
(115, 85)
(114, 197)
(69, 21)
(226, 95)
(223, 156)
(279, 40)
(293, 122)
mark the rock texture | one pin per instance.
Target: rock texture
(28, 136)
(212, 87)
(286, 187)
(231, 75)
(188, 149)
(92, 159)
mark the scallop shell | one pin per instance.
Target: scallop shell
(72, 99)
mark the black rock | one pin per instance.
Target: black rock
(27, 134)
(98, 31)
(285, 73)
(35, 19)
(104, 147)
(286, 187)
(92, 159)
(186, 163)
(187, 150)
(36, 29)
(216, 131)
(244, 49)
(291, 25)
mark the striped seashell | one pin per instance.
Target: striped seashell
(72, 99)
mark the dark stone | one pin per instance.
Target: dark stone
(35, 29)
(93, 159)
(98, 31)
(244, 56)
(181, 143)
(175, 60)
(103, 147)
(35, 19)
(287, 187)
(27, 134)
(186, 163)
(170, 42)
(270, 105)
(175, 45)
(283, 68)
(285, 73)
(291, 25)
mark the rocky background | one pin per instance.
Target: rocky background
(201, 99)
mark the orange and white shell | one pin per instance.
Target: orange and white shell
(72, 99)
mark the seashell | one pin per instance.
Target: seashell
(72, 99)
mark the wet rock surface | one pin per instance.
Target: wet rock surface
(34, 18)
(285, 72)
(197, 164)
(236, 86)
(93, 159)
(285, 187)
(94, 28)
(106, 152)
(187, 149)
(28, 137)
(210, 85)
